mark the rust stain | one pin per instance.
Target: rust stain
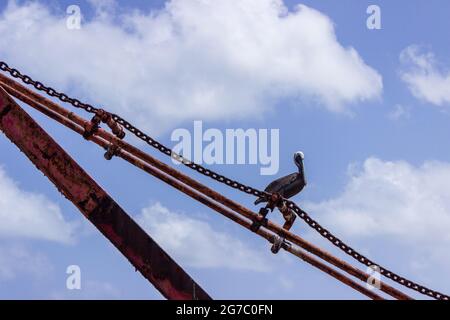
(153, 166)
(109, 218)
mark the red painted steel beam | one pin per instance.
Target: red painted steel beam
(96, 205)
(102, 138)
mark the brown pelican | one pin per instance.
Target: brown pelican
(290, 185)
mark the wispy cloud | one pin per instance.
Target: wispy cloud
(424, 78)
(395, 199)
(90, 290)
(16, 260)
(215, 59)
(30, 215)
(399, 112)
(396, 213)
(194, 242)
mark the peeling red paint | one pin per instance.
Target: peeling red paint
(109, 218)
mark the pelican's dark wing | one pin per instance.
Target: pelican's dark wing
(279, 184)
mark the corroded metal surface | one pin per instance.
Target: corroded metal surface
(224, 180)
(156, 168)
(173, 178)
(96, 205)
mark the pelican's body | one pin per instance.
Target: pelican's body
(290, 185)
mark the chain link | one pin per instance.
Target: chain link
(49, 90)
(202, 170)
(229, 182)
(361, 258)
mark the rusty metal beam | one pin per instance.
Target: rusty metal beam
(77, 123)
(96, 205)
(207, 202)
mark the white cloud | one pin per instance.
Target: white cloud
(16, 260)
(399, 112)
(90, 290)
(30, 215)
(194, 242)
(195, 58)
(398, 215)
(407, 203)
(424, 78)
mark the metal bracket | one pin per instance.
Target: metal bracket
(91, 127)
(113, 150)
(288, 215)
(277, 244)
(272, 202)
(105, 117)
(263, 220)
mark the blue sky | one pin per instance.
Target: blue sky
(377, 163)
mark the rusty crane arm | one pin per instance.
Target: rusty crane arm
(238, 213)
(173, 178)
(96, 205)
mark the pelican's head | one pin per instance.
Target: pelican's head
(298, 158)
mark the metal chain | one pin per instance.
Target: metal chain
(229, 182)
(362, 259)
(138, 133)
(202, 170)
(49, 90)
